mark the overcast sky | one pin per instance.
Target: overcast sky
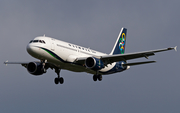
(151, 88)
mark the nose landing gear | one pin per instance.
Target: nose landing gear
(58, 79)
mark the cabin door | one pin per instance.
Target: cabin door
(52, 44)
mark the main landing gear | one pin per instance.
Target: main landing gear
(58, 79)
(97, 77)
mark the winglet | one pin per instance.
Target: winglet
(175, 48)
(171, 48)
(6, 62)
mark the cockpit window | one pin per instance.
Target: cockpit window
(37, 41)
(43, 41)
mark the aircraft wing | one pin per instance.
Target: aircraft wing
(24, 64)
(7, 62)
(108, 59)
(129, 56)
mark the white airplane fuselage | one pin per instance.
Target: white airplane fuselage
(63, 54)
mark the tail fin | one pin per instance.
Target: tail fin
(119, 47)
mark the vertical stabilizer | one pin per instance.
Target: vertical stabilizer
(119, 47)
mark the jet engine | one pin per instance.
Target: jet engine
(94, 63)
(35, 68)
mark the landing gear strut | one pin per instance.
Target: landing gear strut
(43, 65)
(58, 79)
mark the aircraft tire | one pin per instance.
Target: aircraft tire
(95, 77)
(61, 80)
(100, 77)
(56, 80)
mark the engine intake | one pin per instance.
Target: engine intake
(35, 68)
(94, 63)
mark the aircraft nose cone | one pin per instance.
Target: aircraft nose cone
(30, 49)
(34, 51)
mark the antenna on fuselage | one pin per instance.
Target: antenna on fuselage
(44, 35)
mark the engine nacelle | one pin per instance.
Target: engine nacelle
(94, 63)
(35, 68)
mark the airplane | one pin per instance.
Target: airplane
(58, 55)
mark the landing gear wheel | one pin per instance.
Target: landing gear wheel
(56, 80)
(61, 80)
(100, 77)
(95, 77)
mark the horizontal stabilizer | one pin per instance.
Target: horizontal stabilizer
(138, 63)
